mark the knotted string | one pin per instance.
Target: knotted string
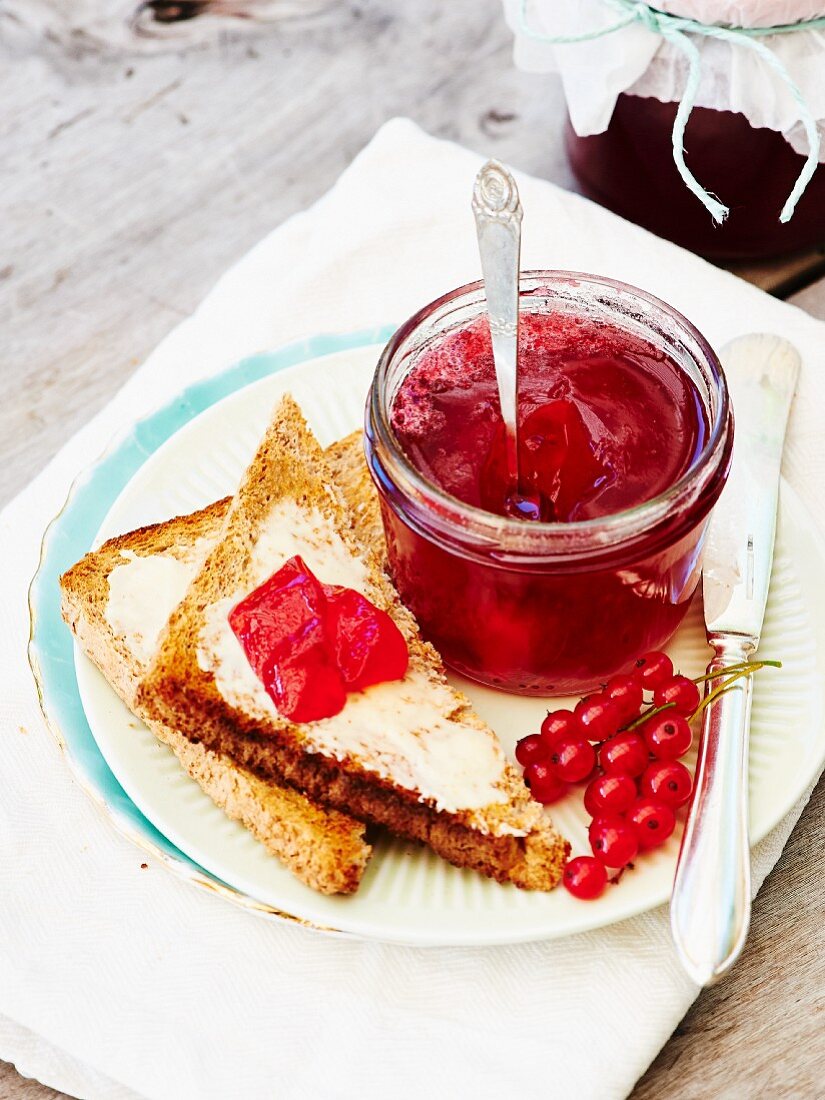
(675, 29)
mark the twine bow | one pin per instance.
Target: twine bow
(676, 29)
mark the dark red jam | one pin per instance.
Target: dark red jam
(630, 169)
(608, 421)
(605, 420)
(311, 643)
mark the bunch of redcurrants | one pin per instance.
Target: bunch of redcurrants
(629, 760)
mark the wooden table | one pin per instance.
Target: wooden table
(143, 153)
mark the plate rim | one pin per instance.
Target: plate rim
(134, 825)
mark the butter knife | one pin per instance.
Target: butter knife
(711, 900)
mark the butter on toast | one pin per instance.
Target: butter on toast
(411, 754)
(117, 600)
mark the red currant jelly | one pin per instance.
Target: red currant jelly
(630, 169)
(311, 644)
(625, 441)
(606, 421)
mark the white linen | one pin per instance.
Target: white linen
(119, 982)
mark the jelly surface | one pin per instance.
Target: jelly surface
(606, 421)
(311, 643)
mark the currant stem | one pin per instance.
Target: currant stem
(750, 666)
(729, 675)
(717, 693)
(648, 714)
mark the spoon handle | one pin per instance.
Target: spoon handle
(498, 214)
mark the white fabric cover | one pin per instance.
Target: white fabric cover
(638, 61)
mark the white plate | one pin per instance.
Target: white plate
(408, 895)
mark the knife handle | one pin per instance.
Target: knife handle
(711, 901)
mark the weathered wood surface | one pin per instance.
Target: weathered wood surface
(15, 1087)
(141, 157)
(784, 277)
(131, 181)
(760, 1034)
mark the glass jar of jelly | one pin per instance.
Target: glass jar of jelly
(629, 168)
(750, 75)
(625, 436)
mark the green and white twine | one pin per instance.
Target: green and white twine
(676, 29)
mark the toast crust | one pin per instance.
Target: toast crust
(510, 840)
(324, 848)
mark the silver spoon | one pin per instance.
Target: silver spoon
(498, 213)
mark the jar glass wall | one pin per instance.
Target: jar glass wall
(547, 608)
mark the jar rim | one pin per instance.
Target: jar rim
(543, 538)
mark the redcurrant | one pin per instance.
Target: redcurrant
(667, 781)
(530, 749)
(652, 820)
(627, 693)
(558, 724)
(613, 840)
(572, 759)
(544, 785)
(681, 693)
(611, 793)
(668, 735)
(598, 716)
(626, 752)
(585, 877)
(653, 669)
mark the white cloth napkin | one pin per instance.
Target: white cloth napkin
(118, 981)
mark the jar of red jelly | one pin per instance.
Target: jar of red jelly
(553, 607)
(744, 142)
(629, 168)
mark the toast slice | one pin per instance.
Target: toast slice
(352, 477)
(409, 754)
(116, 609)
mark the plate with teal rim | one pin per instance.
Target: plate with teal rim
(192, 452)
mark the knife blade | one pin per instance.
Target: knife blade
(762, 373)
(710, 903)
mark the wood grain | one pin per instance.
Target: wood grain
(15, 1087)
(783, 277)
(761, 1032)
(142, 157)
(133, 181)
(148, 26)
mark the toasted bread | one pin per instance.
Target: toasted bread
(326, 849)
(349, 468)
(411, 754)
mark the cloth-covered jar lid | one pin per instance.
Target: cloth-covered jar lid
(641, 61)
